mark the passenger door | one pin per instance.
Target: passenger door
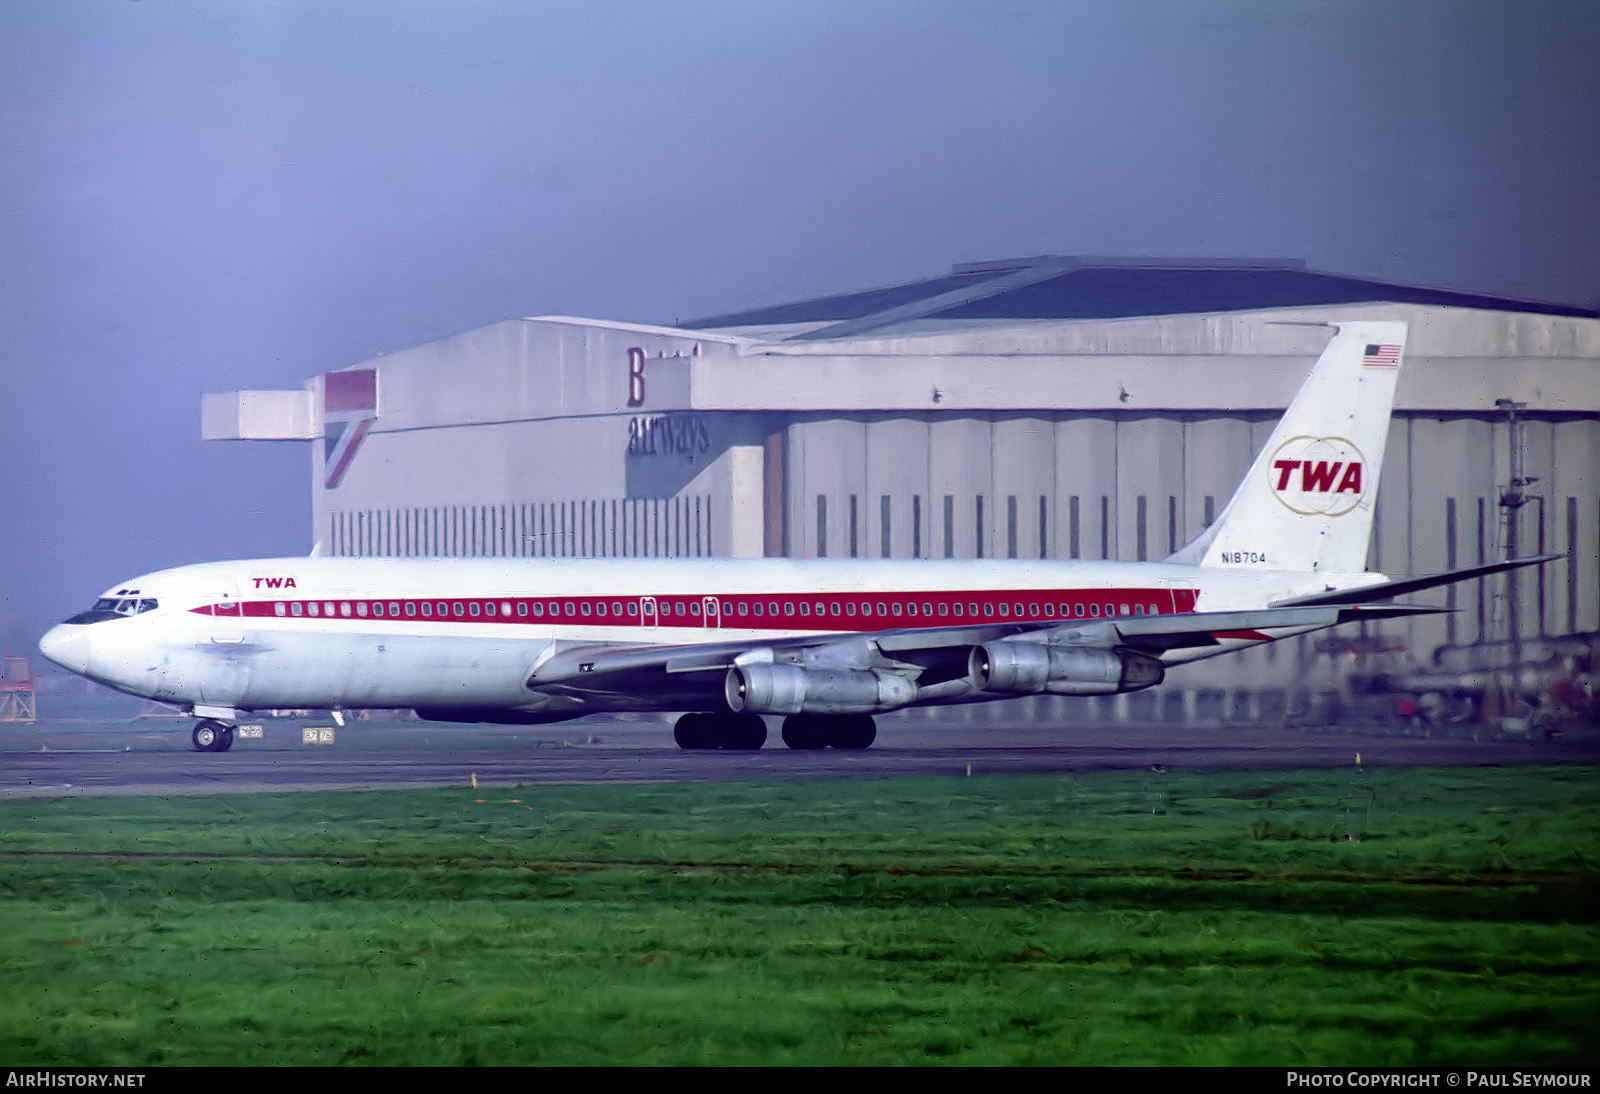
(227, 617)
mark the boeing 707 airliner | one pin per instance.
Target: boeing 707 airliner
(825, 643)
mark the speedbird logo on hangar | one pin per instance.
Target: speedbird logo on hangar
(1318, 475)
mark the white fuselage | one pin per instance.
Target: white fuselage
(345, 633)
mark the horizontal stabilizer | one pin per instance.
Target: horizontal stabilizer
(1385, 590)
(1193, 629)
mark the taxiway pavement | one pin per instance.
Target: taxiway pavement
(155, 756)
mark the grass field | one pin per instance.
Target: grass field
(1402, 916)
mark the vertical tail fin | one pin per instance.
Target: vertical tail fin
(1308, 500)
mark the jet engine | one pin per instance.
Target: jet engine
(791, 689)
(1032, 667)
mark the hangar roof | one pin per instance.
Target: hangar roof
(1083, 287)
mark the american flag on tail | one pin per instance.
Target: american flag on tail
(1383, 355)
(349, 407)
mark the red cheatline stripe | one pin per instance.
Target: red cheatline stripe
(748, 611)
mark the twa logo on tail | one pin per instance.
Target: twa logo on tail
(1318, 475)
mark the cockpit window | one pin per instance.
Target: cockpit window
(115, 607)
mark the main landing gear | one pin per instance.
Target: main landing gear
(800, 731)
(813, 731)
(211, 735)
(735, 731)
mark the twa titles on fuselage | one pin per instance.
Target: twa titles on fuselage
(826, 644)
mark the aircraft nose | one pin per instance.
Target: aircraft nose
(67, 647)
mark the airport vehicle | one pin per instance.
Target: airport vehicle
(825, 643)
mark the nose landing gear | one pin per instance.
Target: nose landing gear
(211, 735)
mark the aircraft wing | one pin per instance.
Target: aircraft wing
(675, 673)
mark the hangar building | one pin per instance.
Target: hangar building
(1064, 407)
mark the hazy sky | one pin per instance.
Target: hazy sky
(213, 195)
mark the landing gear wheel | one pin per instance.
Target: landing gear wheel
(805, 732)
(729, 731)
(853, 731)
(813, 731)
(211, 735)
(744, 732)
(694, 731)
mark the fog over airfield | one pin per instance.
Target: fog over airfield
(201, 197)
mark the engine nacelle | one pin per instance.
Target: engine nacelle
(1027, 668)
(791, 689)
